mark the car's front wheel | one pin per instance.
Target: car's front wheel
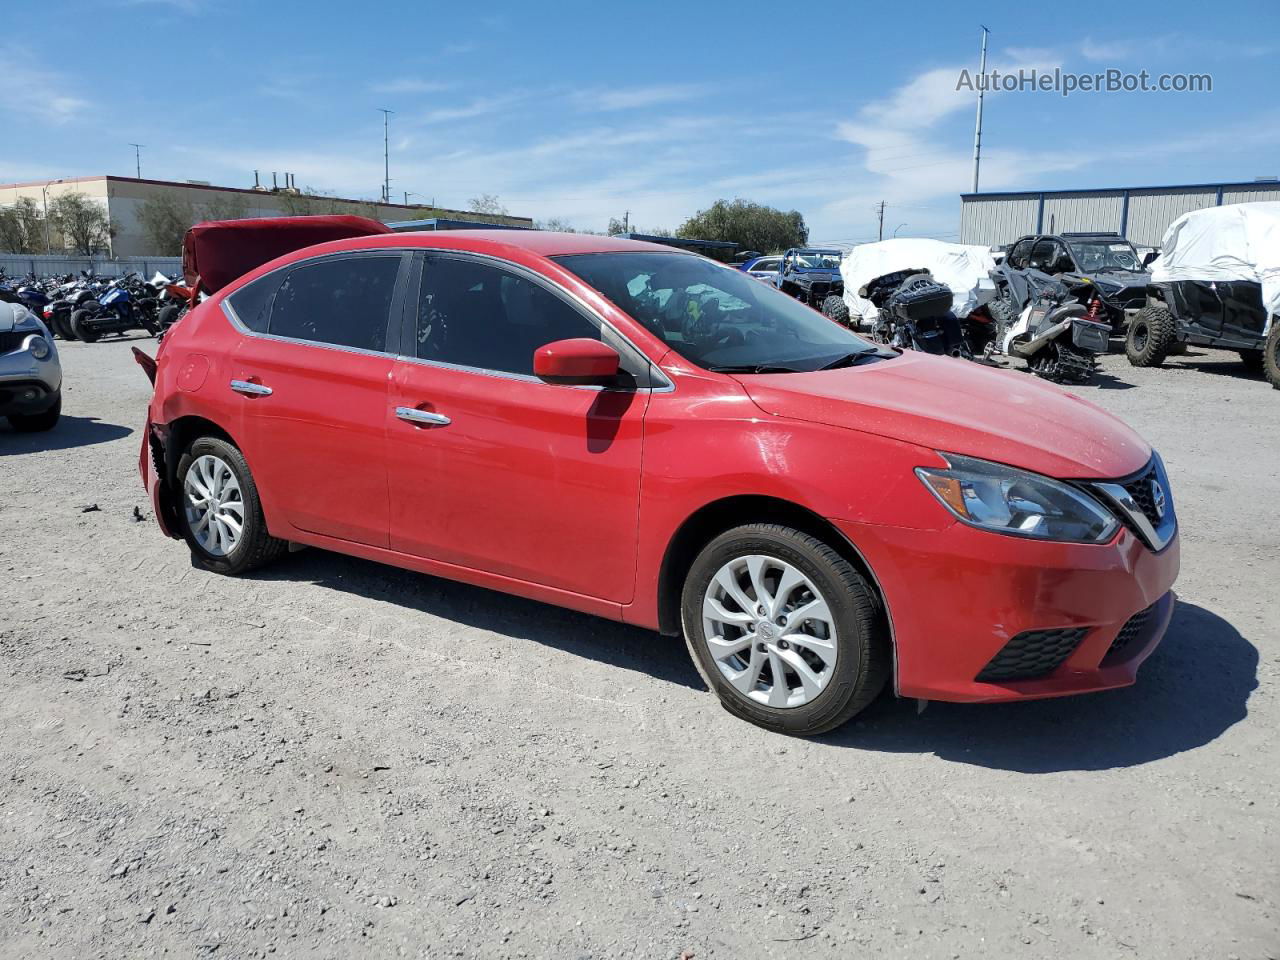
(37, 422)
(784, 629)
(221, 514)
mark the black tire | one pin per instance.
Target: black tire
(834, 308)
(81, 329)
(1152, 334)
(863, 659)
(1252, 360)
(1271, 355)
(256, 547)
(167, 317)
(37, 422)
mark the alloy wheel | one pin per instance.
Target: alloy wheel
(214, 505)
(769, 631)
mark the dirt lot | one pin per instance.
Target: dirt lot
(335, 758)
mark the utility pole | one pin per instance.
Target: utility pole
(137, 156)
(626, 221)
(977, 130)
(386, 154)
(880, 215)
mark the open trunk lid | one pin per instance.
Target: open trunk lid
(217, 252)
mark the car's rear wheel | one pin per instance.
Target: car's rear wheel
(784, 630)
(1152, 334)
(1271, 354)
(221, 515)
(37, 422)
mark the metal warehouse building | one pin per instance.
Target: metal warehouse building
(1140, 213)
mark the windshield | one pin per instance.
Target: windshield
(715, 316)
(1105, 255)
(818, 259)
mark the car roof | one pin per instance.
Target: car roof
(539, 242)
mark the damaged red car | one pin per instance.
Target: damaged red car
(643, 434)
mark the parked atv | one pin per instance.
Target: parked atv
(1214, 285)
(811, 276)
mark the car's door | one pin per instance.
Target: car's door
(312, 372)
(494, 469)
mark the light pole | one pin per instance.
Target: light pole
(977, 127)
(44, 192)
(386, 154)
(408, 194)
(137, 156)
(897, 228)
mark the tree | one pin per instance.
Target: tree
(487, 203)
(22, 227)
(554, 225)
(752, 226)
(225, 206)
(165, 220)
(82, 222)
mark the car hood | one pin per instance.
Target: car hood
(956, 406)
(12, 314)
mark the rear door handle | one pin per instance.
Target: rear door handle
(250, 389)
(422, 418)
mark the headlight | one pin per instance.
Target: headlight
(1004, 499)
(39, 348)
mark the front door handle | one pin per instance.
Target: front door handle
(422, 418)
(250, 389)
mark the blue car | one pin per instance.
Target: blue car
(762, 268)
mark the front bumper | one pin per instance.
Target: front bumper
(957, 598)
(28, 385)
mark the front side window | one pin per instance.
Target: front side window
(1103, 255)
(343, 301)
(1018, 255)
(476, 315)
(715, 316)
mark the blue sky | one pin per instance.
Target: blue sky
(585, 110)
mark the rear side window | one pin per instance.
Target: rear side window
(340, 301)
(252, 302)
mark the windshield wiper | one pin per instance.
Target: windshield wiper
(754, 368)
(852, 359)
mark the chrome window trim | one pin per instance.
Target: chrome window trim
(665, 383)
(656, 372)
(229, 311)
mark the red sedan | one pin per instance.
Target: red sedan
(640, 433)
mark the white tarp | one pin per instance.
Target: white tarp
(1240, 241)
(965, 269)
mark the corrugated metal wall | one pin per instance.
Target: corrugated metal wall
(1086, 210)
(1003, 218)
(1151, 211)
(1007, 217)
(18, 265)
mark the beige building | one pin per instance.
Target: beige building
(122, 198)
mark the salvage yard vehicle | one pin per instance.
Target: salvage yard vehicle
(763, 268)
(810, 275)
(913, 312)
(640, 433)
(1216, 284)
(1107, 260)
(1058, 325)
(30, 372)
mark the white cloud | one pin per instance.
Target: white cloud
(478, 107)
(36, 92)
(408, 85)
(633, 98)
(1113, 51)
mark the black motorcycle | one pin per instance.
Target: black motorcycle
(914, 313)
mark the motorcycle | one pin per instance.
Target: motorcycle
(914, 313)
(1059, 332)
(125, 305)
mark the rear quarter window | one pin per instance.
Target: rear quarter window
(252, 303)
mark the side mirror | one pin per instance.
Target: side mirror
(1150, 257)
(577, 361)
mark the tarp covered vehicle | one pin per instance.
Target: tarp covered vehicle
(965, 269)
(1216, 284)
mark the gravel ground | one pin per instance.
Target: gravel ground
(334, 758)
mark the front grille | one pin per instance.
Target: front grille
(1140, 489)
(1130, 631)
(12, 339)
(1032, 654)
